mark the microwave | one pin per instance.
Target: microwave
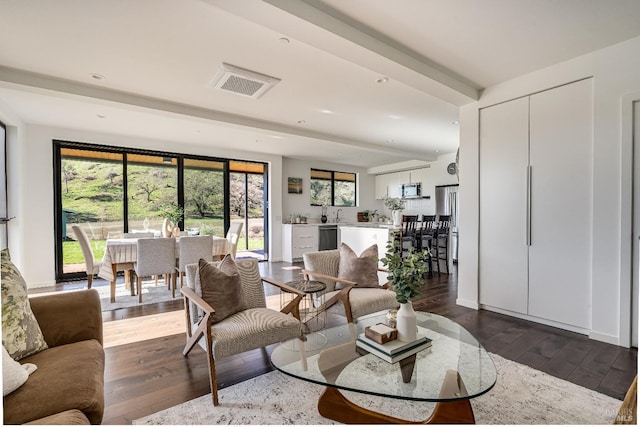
(411, 190)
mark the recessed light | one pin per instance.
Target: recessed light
(97, 76)
(258, 141)
(389, 140)
(325, 111)
(283, 40)
(100, 116)
(383, 80)
(455, 122)
(301, 122)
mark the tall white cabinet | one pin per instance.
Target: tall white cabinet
(536, 161)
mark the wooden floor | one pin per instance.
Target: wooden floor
(150, 374)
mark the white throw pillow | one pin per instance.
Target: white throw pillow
(13, 373)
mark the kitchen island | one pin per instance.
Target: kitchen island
(360, 237)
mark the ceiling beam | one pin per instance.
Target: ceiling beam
(69, 89)
(460, 90)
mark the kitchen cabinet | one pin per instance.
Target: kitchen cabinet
(298, 239)
(535, 204)
(390, 184)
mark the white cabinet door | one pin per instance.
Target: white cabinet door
(561, 145)
(381, 186)
(503, 255)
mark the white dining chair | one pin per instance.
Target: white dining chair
(233, 235)
(91, 265)
(191, 250)
(155, 257)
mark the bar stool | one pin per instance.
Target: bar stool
(441, 242)
(408, 232)
(424, 238)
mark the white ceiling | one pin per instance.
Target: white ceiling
(158, 57)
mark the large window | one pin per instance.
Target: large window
(108, 191)
(331, 188)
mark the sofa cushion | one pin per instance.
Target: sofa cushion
(69, 376)
(361, 269)
(222, 288)
(67, 418)
(21, 334)
(13, 373)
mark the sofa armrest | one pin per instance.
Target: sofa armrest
(68, 317)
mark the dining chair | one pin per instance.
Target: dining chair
(191, 250)
(155, 257)
(91, 265)
(233, 235)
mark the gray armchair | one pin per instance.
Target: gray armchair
(350, 301)
(255, 327)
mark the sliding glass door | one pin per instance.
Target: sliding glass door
(91, 195)
(152, 186)
(204, 190)
(109, 190)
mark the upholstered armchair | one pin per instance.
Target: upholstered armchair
(255, 326)
(352, 299)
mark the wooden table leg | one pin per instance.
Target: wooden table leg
(406, 368)
(333, 405)
(113, 282)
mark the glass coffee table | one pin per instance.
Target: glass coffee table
(455, 369)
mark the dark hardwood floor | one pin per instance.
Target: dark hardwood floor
(148, 376)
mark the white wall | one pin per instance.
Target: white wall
(301, 203)
(31, 183)
(615, 74)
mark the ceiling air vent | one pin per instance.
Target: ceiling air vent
(243, 82)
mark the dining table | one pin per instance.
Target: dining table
(121, 255)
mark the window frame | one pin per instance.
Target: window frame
(333, 181)
(59, 145)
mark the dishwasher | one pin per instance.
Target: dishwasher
(327, 237)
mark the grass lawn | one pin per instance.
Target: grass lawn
(72, 253)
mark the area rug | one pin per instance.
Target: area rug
(522, 395)
(151, 294)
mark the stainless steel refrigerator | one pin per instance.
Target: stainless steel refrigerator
(447, 204)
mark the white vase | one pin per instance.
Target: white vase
(406, 323)
(167, 228)
(397, 218)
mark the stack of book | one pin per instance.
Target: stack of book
(396, 350)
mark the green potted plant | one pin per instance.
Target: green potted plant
(172, 214)
(406, 275)
(396, 206)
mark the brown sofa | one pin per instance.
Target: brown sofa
(68, 386)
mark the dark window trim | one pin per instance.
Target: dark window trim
(333, 180)
(59, 144)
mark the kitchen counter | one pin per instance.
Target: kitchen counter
(360, 237)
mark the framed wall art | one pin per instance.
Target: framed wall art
(295, 185)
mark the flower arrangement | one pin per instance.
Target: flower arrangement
(394, 203)
(405, 275)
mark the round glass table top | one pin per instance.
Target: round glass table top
(340, 363)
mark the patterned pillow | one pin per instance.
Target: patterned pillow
(21, 334)
(361, 269)
(221, 288)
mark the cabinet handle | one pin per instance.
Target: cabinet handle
(528, 227)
